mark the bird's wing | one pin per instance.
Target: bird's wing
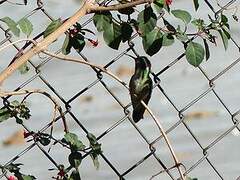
(143, 94)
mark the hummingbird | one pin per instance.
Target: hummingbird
(140, 87)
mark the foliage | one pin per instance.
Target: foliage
(117, 28)
(23, 25)
(15, 109)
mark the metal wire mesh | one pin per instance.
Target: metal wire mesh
(152, 145)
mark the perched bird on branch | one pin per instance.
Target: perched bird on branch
(140, 87)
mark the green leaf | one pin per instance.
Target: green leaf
(206, 49)
(92, 139)
(95, 161)
(5, 114)
(224, 19)
(112, 35)
(180, 35)
(194, 53)
(147, 20)
(126, 31)
(75, 159)
(12, 25)
(224, 39)
(52, 27)
(168, 39)
(23, 69)
(102, 20)
(196, 4)
(226, 32)
(183, 15)
(26, 26)
(77, 42)
(152, 42)
(28, 177)
(199, 23)
(96, 149)
(66, 47)
(73, 141)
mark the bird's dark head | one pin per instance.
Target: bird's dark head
(142, 63)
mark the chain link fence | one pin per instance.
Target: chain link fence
(155, 158)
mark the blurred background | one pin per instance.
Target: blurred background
(208, 111)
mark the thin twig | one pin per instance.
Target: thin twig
(38, 91)
(15, 42)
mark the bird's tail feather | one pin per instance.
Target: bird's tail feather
(137, 116)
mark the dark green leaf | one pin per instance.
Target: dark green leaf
(75, 159)
(26, 26)
(224, 39)
(168, 39)
(66, 47)
(206, 49)
(126, 31)
(102, 20)
(19, 121)
(24, 68)
(92, 139)
(12, 25)
(44, 141)
(152, 42)
(127, 11)
(224, 19)
(112, 35)
(96, 149)
(159, 3)
(169, 26)
(23, 110)
(235, 17)
(194, 53)
(183, 15)
(52, 27)
(196, 4)
(189, 178)
(5, 114)
(147, 20)
(13, 167)
(77, 42)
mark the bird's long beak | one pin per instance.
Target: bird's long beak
(131, 56)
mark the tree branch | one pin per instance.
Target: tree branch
(87, 8)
